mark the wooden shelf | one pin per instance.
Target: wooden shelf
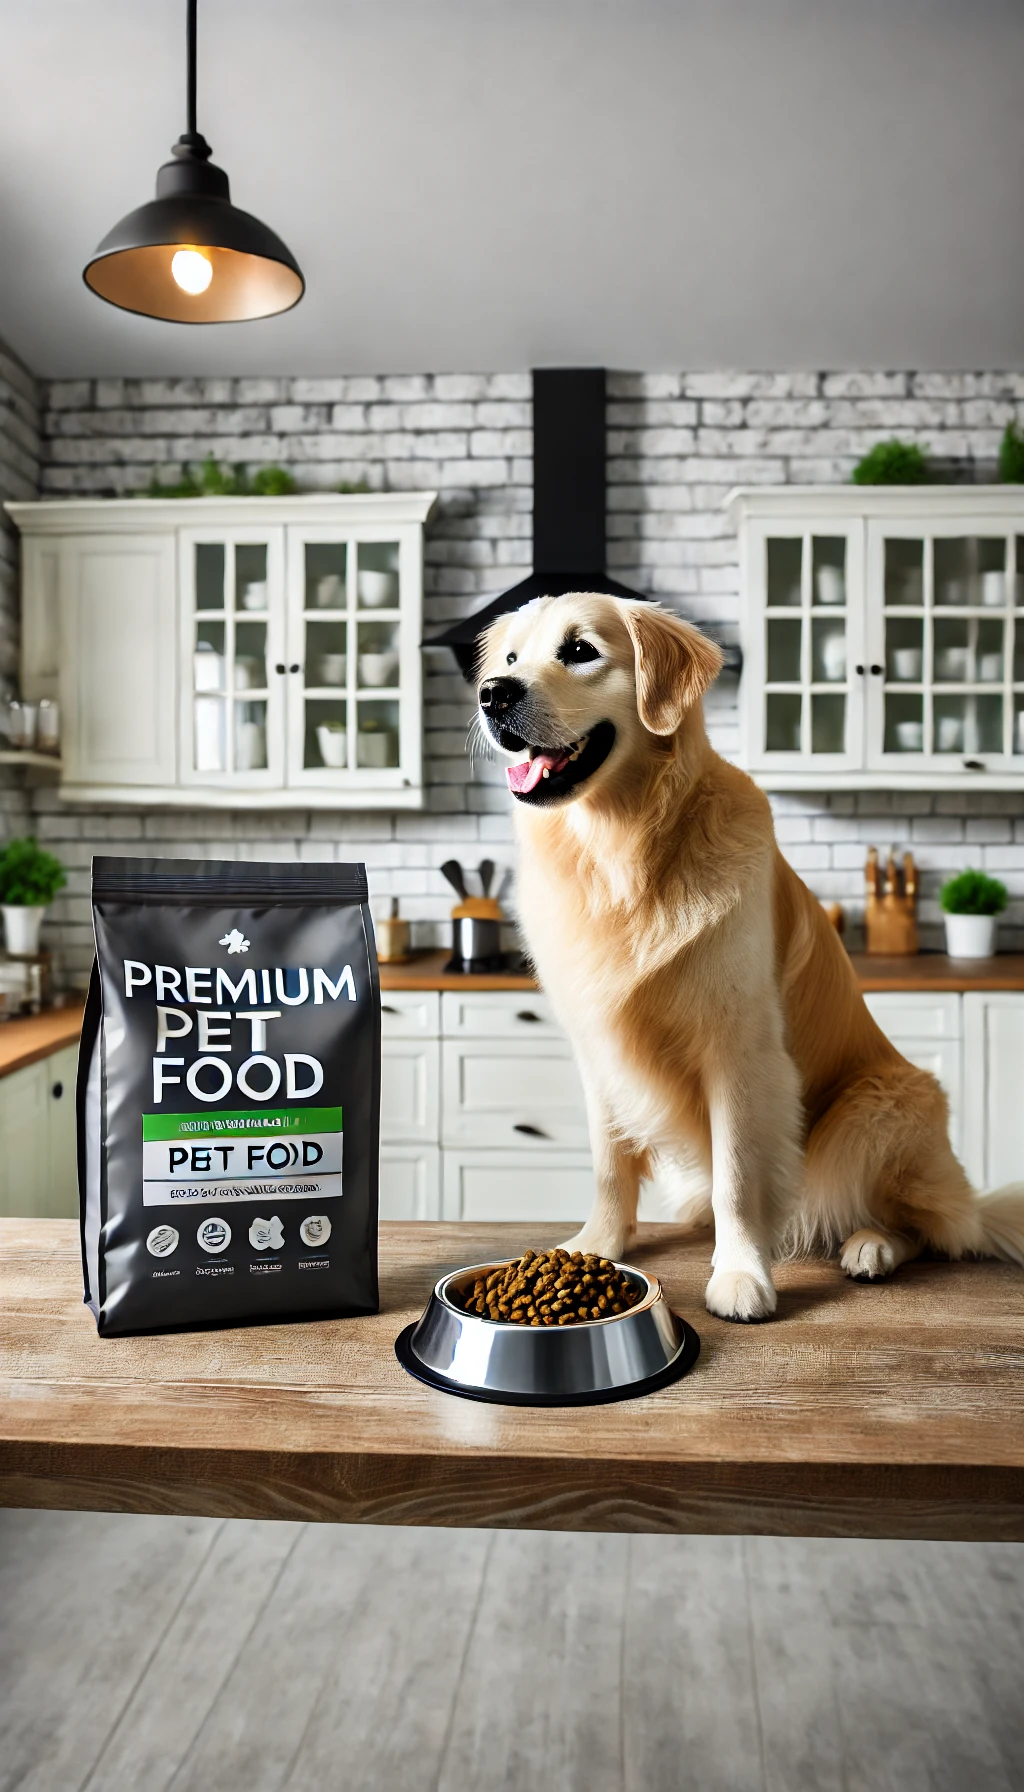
(25, 756)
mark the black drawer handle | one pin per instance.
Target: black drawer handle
(532, 1132)
(528, 1014)
(386, 1008)
(279, 667)
(974, 765)
(57, 1091)
(876, 671)
(295, 667)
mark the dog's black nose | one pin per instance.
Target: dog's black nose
(499, 695)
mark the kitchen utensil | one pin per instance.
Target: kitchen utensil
(993, 590)
(392, 937)
(910, 736)
(377, 590)
(907, 663)
(476, 940)
(950, 734)
(890, 914)
(485, 872)
(48, 726)
(330, 591)
(254, 596)
(332, 740)
(377, 668)
(332, 668)
(523, 1365)
(452, 870)
(830, 585)
(207, 668)
(21, 724)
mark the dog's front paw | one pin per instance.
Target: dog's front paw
(735, 1294)
(593, 1241)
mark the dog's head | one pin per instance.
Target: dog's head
(576, 687)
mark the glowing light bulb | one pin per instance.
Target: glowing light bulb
(191, 270)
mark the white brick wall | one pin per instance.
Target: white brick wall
(676, 444)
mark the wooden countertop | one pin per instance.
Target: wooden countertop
(927, 971)
(894, 1410)
(38, 1036)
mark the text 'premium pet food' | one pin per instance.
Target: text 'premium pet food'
(229, 1094)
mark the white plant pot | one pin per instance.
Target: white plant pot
(970, 936)
(21, 928)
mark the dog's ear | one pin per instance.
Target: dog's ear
(675, 664)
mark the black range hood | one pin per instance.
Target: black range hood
(569, 500)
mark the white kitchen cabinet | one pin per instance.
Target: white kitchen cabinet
(498, 1014)
(883, 636)
(38, 1150)
(410, 1182)
(512, 1092)
(517, 1185)
(993, 1084)
(233, 652)
(927, 1030)
(409, 1090)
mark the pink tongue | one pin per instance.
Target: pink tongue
(526, 776)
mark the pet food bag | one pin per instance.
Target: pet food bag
(229, 1095)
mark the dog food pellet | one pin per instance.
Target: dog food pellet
(551, 1288)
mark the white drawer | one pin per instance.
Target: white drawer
(497, 1014)
(409, 1101)
(512, 1093)
(502, 1185)
(410, 1182)
(942, 1058)
(410, 1014)
(906, 1015)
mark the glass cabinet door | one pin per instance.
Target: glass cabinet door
(233, 695)
(947, 676)
(804, 647)
(354, 607)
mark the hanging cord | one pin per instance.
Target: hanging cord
(190, 38)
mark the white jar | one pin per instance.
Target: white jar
(970, 936)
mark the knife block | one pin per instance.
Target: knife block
(890, 913)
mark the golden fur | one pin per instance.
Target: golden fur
(714, 1013)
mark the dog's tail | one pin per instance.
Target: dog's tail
(1001, 1212)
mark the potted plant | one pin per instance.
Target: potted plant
(892, 463)
(970, 902)
(29, 880)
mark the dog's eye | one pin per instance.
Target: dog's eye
(575, 652)
(510, 659)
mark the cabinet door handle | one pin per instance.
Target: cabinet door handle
(532, 1132)
(876, 671)
(859, 671)
(527, 1014)
(974, 765)
(294, 668)
(386, 1008)
(57, 1091)
(280, 666)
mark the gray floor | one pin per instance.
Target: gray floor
(144, 1654)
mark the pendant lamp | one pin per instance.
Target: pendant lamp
(190, 256)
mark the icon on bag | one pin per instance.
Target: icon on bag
(315, 1230)
(214, 1235)
(162, 1241)
(266, 1235)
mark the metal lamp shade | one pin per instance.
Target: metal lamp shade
(254, 274)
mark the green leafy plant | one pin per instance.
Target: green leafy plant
(29, 877)
(1011, 455)
(973, 893)
(892, 463)
(350, 487)
(211, 480)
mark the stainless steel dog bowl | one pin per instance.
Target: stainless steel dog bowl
(592, 1361)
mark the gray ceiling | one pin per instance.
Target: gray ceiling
(478, 184)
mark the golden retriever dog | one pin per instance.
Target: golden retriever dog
(715, 1016)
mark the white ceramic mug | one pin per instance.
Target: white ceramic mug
(378, 668)
(949, 734)
(993, 590)
(952, 664)
(250, 747)
(907, 663)
(254, 597)
(910, 736)
(377, 590)
(332, 668)
(990, 668)
(330, 591)
(831, 585)
(333, 744)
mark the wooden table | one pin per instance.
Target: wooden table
(894, 1410)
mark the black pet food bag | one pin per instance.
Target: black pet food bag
(229, 1095)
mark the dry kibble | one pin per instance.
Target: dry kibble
(552, 1288)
